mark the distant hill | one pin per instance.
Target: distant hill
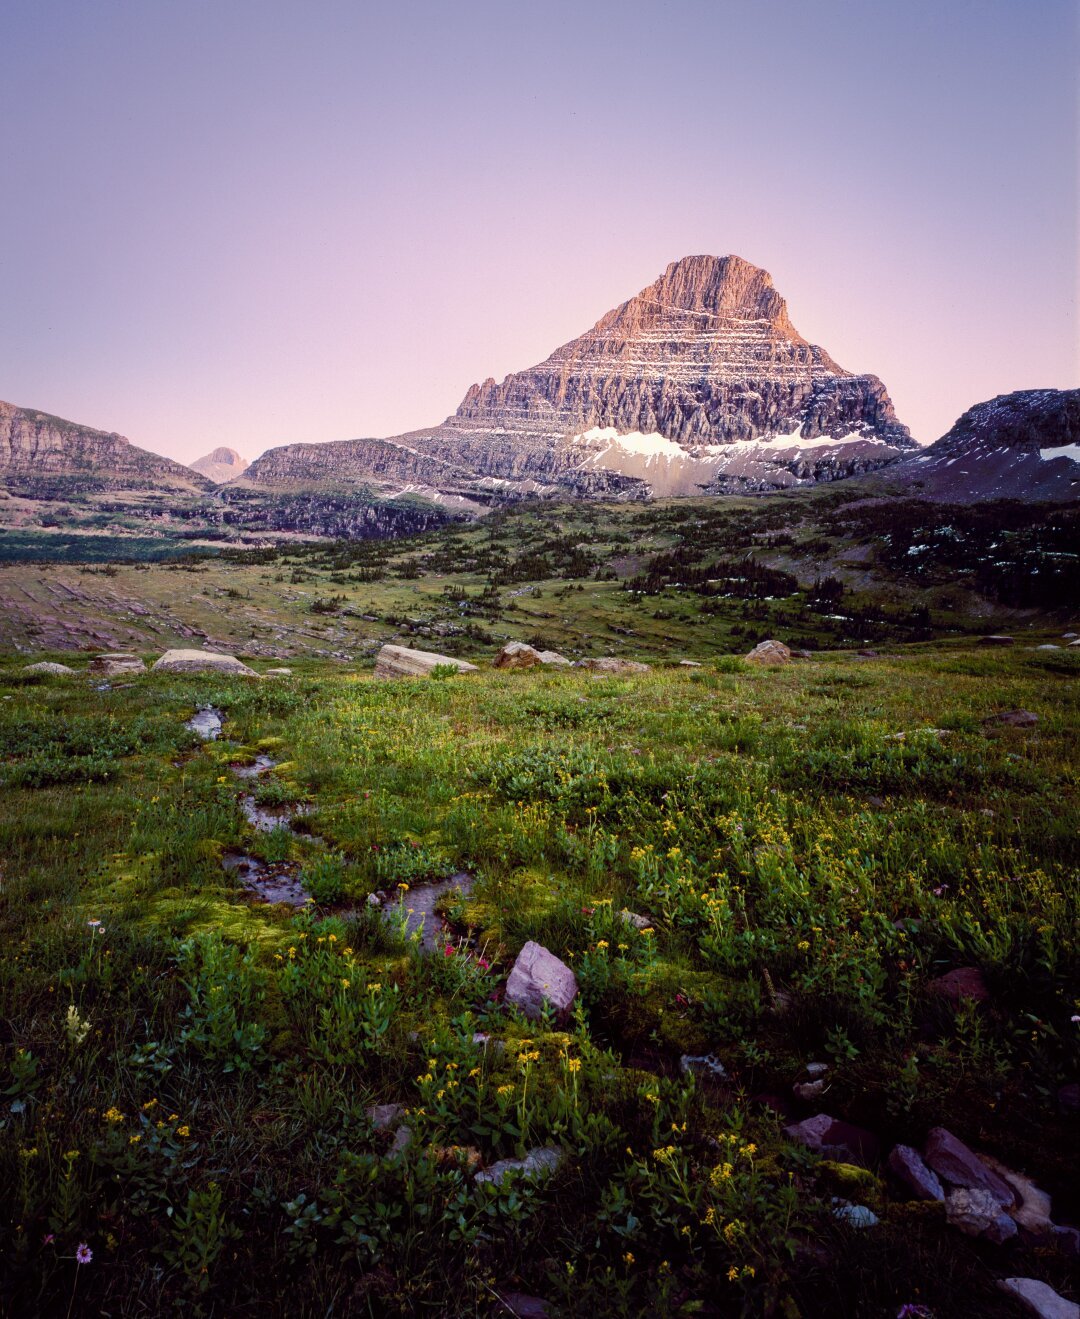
(1024, 445)
(36, 448)
(220, 466)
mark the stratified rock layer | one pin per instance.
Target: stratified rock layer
(699, 383)
(35, 446)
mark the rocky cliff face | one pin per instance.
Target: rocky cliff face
(699, 383)
(1024, 445)
(36, 447)
(220, 466)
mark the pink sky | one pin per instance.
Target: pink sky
(250, 222)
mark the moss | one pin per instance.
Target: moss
(852, 1183)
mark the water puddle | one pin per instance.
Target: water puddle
(262, 765)
(206, 723)
(268, 883)
(265, 819)
(419, 904)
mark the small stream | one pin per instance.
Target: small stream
(419, 904)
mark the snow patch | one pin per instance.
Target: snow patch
(1062, 451)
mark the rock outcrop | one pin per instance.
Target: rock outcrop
(36, 447)
(769, 652)
(699, 383)
(202, 661)
(1024, 445)
(220, 465)
(401, 662)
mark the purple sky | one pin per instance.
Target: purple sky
(252, 222)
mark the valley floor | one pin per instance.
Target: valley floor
(188, 1075)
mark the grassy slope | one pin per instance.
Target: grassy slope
(558, 574)
(788, 849)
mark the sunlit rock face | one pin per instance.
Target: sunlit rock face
(699, 383)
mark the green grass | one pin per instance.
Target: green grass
(183, 1086)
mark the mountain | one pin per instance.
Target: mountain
(220, 466)
(699, 384)
(38, 450)
(1024, 445)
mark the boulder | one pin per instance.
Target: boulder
(553, 657)
(808, 1091)
(1032, 1209)
(964, 982)
(382, 1116)
(517, 655)
(769, 652)
(116, 662)
(45, 666)
(401, 662)
(202, 661)
(1040, 1298)
(635, 921)
(951, 1159)
(857, 1216)
(538, 976)
(538, 1162)
(689, 664)
(833, 1139)
(1013, 718)
(977, 1213)
(611, 664)
(907, 1166)
(996, 640)
(524, 1307)
(278, 673)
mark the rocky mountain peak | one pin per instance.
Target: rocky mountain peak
(221, 465)
(726, 288)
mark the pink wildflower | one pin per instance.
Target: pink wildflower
(83, 1253)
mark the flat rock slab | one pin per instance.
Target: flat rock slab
(539, 1162)
(401, 662)
(611, 664)
(46, 666)
(834, 1139)
(202, 661)
(951, 1159)
(1013, 718)
(996, 640)
(769, 652)
(538, 976)
(117, 662)
(1040, 1298)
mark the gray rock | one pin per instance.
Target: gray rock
(611, 664)
(689, 664)
(401, 1142)
(854, 1215)
(401, 662)
(1040, 1298)
(809, 1090)
(384, 1115)
(705, 1064)
(951, 1159)
(814, 1070)
(517, 655)
(202, 661)
(769, 652)
(554, 659)
(907, 1166)
(538, 976)
(46, 666)
(539, 1162)
(117, 662)
(978, 1213)
(634, 920)
(1032, 1210)
(278, 673)
(1067, 1240)
(524, 1307)
(833, 1139)
(1013, 718)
